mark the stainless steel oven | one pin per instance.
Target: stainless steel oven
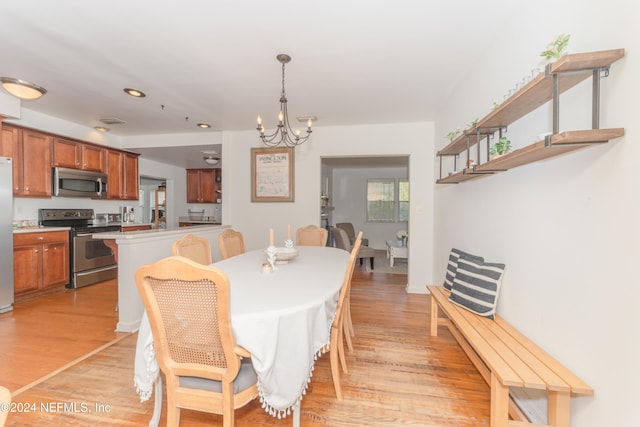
(92, 261)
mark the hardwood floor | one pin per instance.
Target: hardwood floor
(44, 334)
(398, 374)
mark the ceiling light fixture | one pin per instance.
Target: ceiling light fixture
(134, 92)
(22, 89)
(210, 157)
(284, 134)
(210, 160)
(204, 125)
(101, 128)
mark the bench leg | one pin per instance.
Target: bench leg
(499, 403)
(558, 409)
(434, 317)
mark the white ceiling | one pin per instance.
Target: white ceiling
(353, 61)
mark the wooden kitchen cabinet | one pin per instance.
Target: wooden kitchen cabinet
(122, 175)
(201, 185)
(31, 154)
(40, 263)
(77, 155)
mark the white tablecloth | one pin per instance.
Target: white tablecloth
(283, 318)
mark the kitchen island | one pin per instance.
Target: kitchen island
(138, 248)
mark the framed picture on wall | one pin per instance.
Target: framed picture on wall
(272, 174)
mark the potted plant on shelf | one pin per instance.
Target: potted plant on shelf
(500, 148)
(453, 134)
(556, 48)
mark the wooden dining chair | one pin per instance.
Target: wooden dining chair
(336, 345)
(342, 241)
(311, 235)
(5, 400)
(194, 247)
(188, 308)
(231, 243)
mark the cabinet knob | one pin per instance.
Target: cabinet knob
(45, 250)
(40, 237)
(35, 251)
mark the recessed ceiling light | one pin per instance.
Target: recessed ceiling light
(204, 125)
(135, 92)
(22, 89)
(101, 128)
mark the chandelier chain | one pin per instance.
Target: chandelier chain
(283, 134)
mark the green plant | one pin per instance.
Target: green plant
(453, 134)
(556, 47)
(473, 123)
(503, 146)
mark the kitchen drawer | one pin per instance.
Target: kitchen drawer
(40, 237)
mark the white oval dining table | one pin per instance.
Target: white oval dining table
(283, 318)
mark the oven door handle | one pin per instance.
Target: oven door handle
(84, 234)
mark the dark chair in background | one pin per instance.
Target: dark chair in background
(348, 228)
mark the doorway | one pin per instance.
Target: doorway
(348, 194)
(153, 197)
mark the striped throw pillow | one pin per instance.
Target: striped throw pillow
(476, 286)
(452, 265)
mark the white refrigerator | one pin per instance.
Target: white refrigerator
(6, 235)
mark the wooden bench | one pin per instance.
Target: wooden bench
(506, 358)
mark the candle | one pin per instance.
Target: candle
(271, 237)
(289, 232)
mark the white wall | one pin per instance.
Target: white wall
(567, 228)
(255, 219)
(349, 196)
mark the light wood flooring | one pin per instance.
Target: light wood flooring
(398, 374)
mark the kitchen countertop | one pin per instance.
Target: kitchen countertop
(203, 220)
(39, 229)
(154, 233)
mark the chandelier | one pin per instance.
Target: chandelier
(284, 133)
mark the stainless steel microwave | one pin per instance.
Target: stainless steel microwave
(78, 183)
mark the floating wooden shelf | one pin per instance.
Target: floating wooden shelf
(459, 144)
(570, 70)
(561, 143)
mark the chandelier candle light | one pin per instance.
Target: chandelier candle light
(284, 133)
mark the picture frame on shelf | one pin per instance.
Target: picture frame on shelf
(272, 174)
